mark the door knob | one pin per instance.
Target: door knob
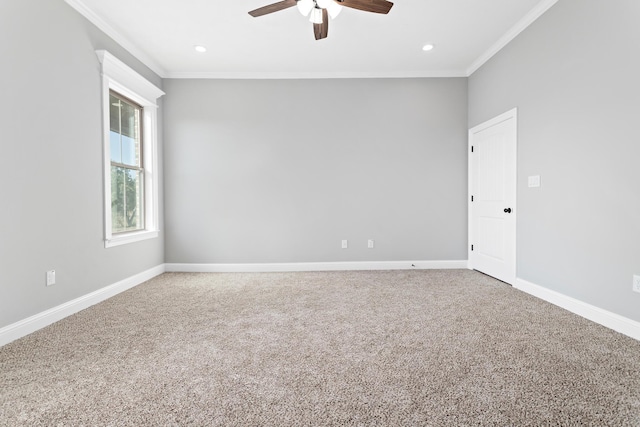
(507, 210)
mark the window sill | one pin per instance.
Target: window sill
(125, 238)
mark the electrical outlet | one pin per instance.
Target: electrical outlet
(51, 277)
(370, 244)
(636, 283)
(345, 244)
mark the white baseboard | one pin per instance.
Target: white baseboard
(31, 324)
(605, 318)
(314, 266)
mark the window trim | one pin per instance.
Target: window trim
(120, 78)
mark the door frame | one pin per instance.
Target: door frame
(511, 114)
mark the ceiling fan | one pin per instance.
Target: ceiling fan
(320, 10)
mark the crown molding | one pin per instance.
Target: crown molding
(520, 26)
(106, 28)
(313, 75)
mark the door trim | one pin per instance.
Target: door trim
(511, 114)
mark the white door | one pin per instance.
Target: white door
(492, 195)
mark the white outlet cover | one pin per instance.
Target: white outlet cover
(370, 244)
(636, 283)
(534, 181)
(345, 244)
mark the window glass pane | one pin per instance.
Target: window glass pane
(126, 200)
(125, 125)
(137, 160)
(117, 199)
(115, 147)
(130, 151)
(128, 119)
(114, 114)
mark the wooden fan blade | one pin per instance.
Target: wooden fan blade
(321, 31)
(275, 7)
(375, 6)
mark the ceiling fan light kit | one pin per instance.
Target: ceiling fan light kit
(334, 9)
(316, 16)
(305, 7)
(319, 11)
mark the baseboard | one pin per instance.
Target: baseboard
(605, 318)
(31, 324)
(314, 266)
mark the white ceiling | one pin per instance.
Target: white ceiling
(162, 34)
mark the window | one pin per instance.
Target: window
(130, 153)
(127, 171)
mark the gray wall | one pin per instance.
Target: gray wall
(51, 161)
(575, 77)
(282, 170)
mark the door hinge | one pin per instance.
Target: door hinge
(471, 247)
(472, 198)
(472, 148)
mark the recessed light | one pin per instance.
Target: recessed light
(200, 49)
(428, 47)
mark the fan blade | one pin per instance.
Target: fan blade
(275, 7)
(321, 31)
(375, 6)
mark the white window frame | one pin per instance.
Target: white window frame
(117, 76)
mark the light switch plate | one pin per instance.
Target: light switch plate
(534, 181)
(51, 277)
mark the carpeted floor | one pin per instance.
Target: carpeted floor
(389, 348)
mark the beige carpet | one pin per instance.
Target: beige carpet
(392, 348)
